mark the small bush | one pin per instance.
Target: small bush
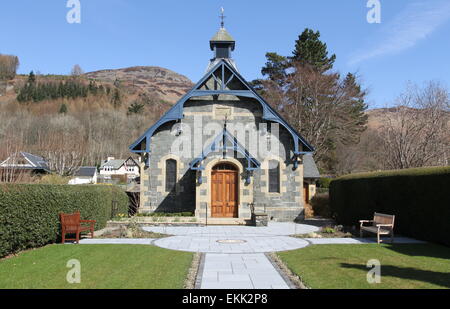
(320, 205)
(29, 213)
(324, 182)
(53, 179)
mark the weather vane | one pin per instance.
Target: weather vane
(222, 17)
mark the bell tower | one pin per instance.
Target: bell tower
(222, 44)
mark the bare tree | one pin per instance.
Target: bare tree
(64, 148)
(76, 70)
(324, 108)
(415, 132)
(8, 66)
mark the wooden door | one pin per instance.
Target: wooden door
(224, 197)
(306, 193)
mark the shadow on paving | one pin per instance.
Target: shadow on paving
(433, 277)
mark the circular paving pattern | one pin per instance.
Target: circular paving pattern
(211, 244)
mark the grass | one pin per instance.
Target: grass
(102, 267)
(403, 266)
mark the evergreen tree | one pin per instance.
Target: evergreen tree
(310, 50)
(275, 68)
(136, 108)
(31, 78)
(63, 109)
(116, 99)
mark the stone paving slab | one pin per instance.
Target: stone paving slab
(250, 244)
(117, 241)
(240, 271)
(330, 241)
(273, 229)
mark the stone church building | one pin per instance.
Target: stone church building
(222, 152)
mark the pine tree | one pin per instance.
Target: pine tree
(63, 109)
(310, 50)
(31, 78)
(136, 108)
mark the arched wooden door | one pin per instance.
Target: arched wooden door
(224, 191)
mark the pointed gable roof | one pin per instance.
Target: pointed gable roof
(142, 144)
(225, 141)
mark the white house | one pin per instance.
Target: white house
(114, 168)
(85, 175)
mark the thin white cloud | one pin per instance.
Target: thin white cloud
(417, 21)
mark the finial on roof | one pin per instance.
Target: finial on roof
(222, 17)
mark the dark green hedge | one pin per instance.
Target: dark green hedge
(419, 198)
(29, 213)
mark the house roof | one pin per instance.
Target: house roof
(310, 169)
(176, 112)
(37, 161)
(115, 164)
(86, 171)
(225, 141)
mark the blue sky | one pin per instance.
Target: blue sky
(410, 44)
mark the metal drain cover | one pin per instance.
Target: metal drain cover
(231, 241)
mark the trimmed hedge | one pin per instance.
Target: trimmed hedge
(29, 214)
(419, 198)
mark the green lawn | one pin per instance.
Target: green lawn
(102, 266)
(403, 266)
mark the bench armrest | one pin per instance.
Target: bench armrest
(384, 225)
(88, 221)
(361, 222)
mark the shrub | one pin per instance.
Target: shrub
(418, 198)
(320, 205)
(29, 213)
(324, 182)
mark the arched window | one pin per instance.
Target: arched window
(171, 174)
(274, 176)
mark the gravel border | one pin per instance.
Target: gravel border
(201, 267)
(192, 277)
(293, 281)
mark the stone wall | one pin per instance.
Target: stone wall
(209, 114)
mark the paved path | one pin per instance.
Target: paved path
(235, 256)
(240, 271)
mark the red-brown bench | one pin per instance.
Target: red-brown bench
(72, 224)
(382, 224)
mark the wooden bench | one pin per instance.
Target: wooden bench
(72, 224)
(382, 224)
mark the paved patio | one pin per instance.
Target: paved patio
(231, 243)
(274, 229)
(235, 256)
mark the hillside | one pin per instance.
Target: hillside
(163, 83)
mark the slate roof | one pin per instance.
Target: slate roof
(310, 169)
(222, 36)
(36, 161)
(115, 164)
(86, 171)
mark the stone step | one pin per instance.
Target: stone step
(223, 221)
